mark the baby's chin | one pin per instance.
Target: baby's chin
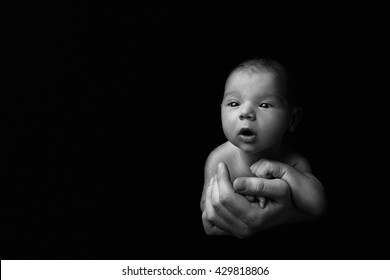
(255, 148)
(249, 148)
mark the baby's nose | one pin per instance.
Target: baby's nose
(247, 113)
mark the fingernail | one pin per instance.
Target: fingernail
(238, 186)
(220, 166)
(262, 204)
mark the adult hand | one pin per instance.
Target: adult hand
(227, 212)
(219, 199)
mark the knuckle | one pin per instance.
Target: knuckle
(216, 205)
(269, 168)
(213, 220)
(251, 220)
(285, 188)
(262, 170)
(214, 201)
(254, 167)
(225, 200)
(208, 230)
(265, 163)
(243, 233)
(259, 186)
(211, 216)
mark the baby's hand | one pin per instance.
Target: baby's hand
(268, 169)
(261, 200)
(250, 198)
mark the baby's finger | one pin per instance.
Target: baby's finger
(268, 169)
(262, 201)
(250, 198)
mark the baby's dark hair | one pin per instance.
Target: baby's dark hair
(258, 64)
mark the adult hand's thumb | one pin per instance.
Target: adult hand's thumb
(254, 186)
(223, 173)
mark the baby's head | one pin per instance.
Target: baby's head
(258, 105)
(271, 66)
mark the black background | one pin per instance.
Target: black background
(117, 107)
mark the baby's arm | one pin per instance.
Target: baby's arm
(221, 154)
(306, 190)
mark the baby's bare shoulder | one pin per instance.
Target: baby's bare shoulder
(222, 153)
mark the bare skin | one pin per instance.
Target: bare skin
(255, 116)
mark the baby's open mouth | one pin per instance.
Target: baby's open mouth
(246, 132)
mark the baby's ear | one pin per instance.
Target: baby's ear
(295, 118)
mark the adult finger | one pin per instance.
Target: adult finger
(271, 188)
(222, 219)
(237, 204)
(233, 223)
(211, 214)
(211, 229)
(203, 199)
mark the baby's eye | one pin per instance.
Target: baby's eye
(233, 104)
(266, 105)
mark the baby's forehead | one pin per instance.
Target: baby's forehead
(251, 78)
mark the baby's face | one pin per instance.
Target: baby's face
(255, 113)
